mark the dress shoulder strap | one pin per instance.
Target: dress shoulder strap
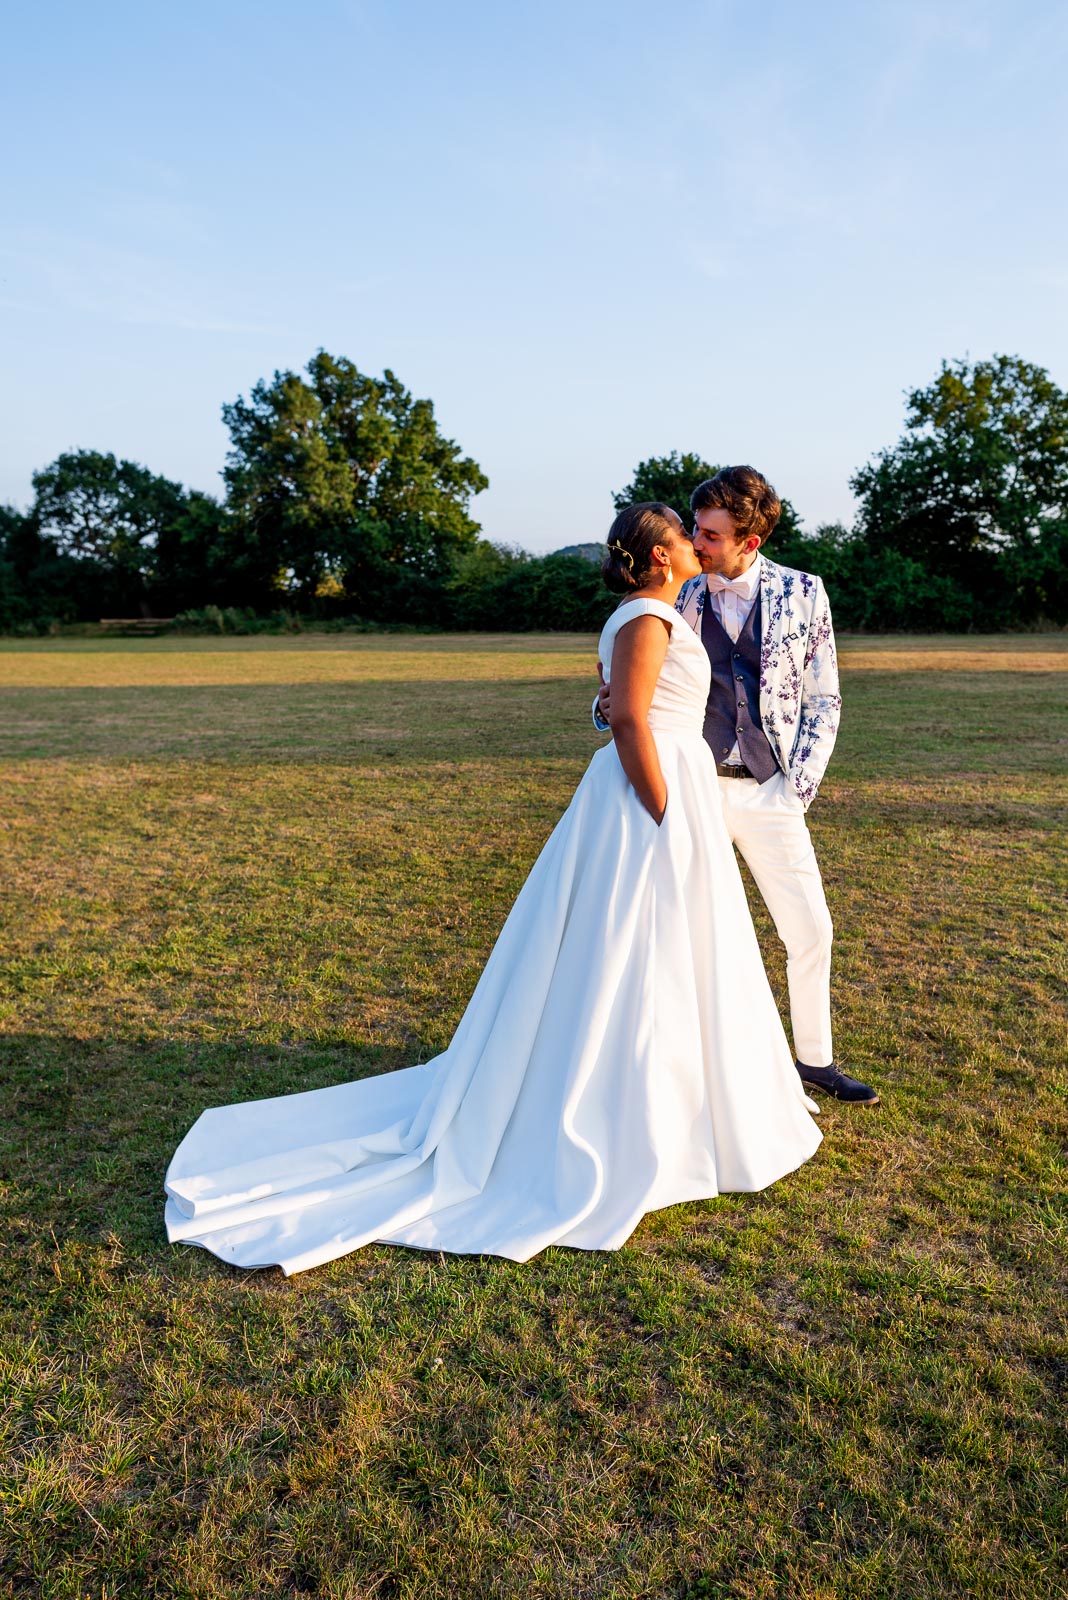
(626, 613)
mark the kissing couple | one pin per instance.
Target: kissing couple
(622, 1050)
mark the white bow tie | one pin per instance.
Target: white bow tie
(744, 587)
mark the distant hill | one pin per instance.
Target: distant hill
(591, 552)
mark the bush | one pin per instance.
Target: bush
(497, 589)
(236, 620)
(884, 591)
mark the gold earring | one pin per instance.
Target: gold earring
(669, 573)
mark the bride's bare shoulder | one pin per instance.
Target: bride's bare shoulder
(645, 611)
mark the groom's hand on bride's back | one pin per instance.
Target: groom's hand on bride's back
(603, 695)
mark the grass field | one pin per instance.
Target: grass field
(239, 867)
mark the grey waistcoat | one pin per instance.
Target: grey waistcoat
(733, 709)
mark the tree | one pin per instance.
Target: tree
(980, 478)
(106, 535)
(497, 587)
(201, 559)
(105, 517)
(672, 479)
(39, 584)
(476, 583)
(881, 591)
(16, 544)
(101, 509)
(669, 479)
(348, 475)
(1046, 594)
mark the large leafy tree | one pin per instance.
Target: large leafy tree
(336, 474)
(103, 519)
(672, 479)
(97, 508)
(979, 482)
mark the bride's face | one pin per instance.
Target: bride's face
(685, 562)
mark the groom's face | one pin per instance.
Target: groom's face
(717, 545)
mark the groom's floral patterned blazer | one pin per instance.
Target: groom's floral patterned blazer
(799, 699)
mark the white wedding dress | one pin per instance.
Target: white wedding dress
(621, 1052)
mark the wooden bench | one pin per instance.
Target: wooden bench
(134, 626)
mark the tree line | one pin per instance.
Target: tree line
(343, 500)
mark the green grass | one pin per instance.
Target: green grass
(235, 868)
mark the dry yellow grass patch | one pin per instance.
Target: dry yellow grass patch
(229, 668)
(855, 658)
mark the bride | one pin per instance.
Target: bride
(621, 1052)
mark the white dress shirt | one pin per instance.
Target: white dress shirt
(732, 600)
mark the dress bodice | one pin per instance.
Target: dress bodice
(681, 693)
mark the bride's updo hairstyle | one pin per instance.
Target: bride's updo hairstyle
(629, 562)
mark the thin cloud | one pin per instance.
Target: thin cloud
(121, 286)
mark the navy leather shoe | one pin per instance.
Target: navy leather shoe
(840, 1084)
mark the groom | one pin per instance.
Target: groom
(771, 720)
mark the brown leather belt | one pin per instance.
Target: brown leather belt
(733, 772)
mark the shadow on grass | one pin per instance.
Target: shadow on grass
(894, 723)
(439, 719)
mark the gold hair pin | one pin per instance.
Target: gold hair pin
(628, 558)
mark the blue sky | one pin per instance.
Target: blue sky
(590, 232)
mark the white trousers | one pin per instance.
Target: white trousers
(767, 824)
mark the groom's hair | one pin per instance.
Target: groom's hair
(745, 495)
(628, 564)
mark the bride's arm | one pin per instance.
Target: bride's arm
(637, 657)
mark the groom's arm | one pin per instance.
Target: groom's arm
(821, 702)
